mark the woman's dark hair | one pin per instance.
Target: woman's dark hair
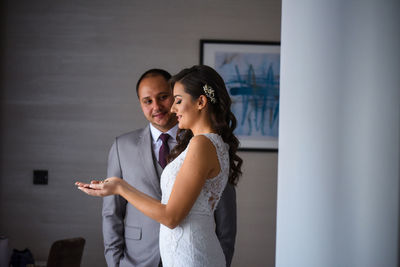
(223, 121)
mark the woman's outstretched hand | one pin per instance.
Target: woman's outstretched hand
(107, 187)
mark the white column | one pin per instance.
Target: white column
(339, 147)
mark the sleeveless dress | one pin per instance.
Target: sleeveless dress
(194, 242)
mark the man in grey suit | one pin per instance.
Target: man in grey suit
(130, 237)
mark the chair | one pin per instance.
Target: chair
(66, 253)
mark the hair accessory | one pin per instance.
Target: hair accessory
(210, 93)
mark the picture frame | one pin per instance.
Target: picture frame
(251, 71)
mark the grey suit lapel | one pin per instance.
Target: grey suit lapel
(146, 154)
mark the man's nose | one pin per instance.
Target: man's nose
(157, 105)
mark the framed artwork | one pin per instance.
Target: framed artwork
(251, 71)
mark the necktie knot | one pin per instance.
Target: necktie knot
(164, 137)
(164, 150)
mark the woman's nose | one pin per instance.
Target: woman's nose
(173, 109)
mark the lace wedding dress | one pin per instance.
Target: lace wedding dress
(194, 242)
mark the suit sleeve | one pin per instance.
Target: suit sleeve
(113, 214)
(225, 220)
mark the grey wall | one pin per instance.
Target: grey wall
(68, 89)
(338, 182)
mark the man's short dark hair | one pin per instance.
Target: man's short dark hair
(152, 73)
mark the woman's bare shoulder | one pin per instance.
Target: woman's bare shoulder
(201, 141)
(201, 144)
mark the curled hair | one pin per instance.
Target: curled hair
(223, 121)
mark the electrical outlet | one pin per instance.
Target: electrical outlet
(40, 176)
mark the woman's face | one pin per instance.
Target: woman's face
(185, 107)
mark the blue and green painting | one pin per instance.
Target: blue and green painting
(252, 81)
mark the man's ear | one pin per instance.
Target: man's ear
(202, 102)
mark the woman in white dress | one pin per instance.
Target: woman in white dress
(201, 164)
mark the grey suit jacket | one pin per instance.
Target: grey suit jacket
(130, 237)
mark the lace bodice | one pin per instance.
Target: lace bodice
(213, 188)
(194, 242)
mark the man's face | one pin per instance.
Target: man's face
(156, 99)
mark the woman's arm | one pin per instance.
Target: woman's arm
(201, 162)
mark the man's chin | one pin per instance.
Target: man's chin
(164, 125)
(160, 125)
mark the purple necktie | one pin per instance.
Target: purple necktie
(164, 150)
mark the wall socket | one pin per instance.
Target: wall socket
(40, 176)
